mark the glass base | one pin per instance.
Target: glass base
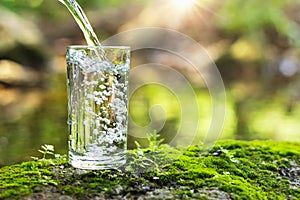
(85, 162)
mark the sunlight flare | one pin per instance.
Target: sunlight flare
(183, 5)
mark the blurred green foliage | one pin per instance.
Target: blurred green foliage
(46, 9)
(252, 18)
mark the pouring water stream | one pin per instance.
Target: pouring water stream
(82, 21)
(84, 25)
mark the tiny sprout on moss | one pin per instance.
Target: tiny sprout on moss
(46, 149)
(141, 161)
(154, 142)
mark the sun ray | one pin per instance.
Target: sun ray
(183, 5)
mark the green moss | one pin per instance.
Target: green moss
(229, 170)
(73, 190)
(251, 170)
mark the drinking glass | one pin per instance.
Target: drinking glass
(97, 80)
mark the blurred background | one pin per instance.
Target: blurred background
(255, 45)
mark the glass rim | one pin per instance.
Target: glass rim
(97, 47)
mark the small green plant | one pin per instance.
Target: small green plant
(139, 161)
(143, 159)
(46, 149)
(155, 142)
(37, 168)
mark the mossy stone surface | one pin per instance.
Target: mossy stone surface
(228, 170)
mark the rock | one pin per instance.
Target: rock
(19, 89)
(258, 175)
(13, 73)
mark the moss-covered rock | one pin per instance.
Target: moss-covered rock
(229, 170)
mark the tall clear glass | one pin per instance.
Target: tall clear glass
(97, 79)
